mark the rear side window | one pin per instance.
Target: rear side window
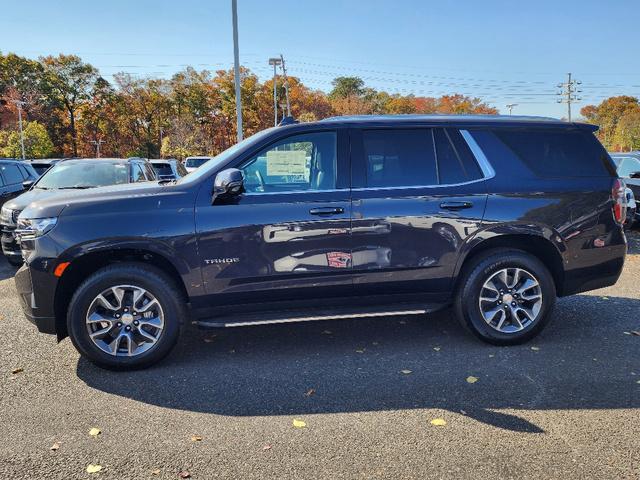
(456, 163)
(399, 158)
(557, 153)
(11, 174)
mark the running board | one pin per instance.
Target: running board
(295, 316)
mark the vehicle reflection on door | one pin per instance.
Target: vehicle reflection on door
(312, 261)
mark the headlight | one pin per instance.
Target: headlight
(30, 228)
(5, 215)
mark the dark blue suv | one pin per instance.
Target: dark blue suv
(342, 218)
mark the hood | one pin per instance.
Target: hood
(56, 201)
(20, 202)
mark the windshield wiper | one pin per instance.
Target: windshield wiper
(77, 187)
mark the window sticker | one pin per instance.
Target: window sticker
(289, 162)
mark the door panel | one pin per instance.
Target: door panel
(289, 233)
(408, 221)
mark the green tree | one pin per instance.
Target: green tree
(344, 87)
(37, 143)
(69, 82)
(627, 135)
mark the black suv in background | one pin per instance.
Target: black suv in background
(41, 165)
(346, 217)
(15, 177)
(76, 174)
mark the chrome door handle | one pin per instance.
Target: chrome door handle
(455, 205)
(326, 211)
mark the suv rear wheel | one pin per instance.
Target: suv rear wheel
(125, 316)
(505, 297)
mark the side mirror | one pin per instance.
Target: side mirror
(227, 184)
(27, 184)
(634, 175)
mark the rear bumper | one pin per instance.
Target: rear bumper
(595, 271)
(37, 309)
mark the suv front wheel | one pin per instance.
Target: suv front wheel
(125, 316)
(505, 297)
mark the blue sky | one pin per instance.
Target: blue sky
(505, 51)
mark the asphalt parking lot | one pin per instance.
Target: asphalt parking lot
(224, 403)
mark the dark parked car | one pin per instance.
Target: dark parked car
(15, 177)
(628, 167)
(350, 217)
(41, 165)
(169, 169)
(76, 174)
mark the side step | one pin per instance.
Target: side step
(313, 315)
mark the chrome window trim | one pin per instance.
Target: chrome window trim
(481, 158)
(296, 192)
(410, 187)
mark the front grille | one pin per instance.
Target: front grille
(14, 216)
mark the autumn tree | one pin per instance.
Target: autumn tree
(608, 114)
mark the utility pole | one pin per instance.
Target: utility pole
(286, 85)
(97, 143)
(568, 93)
(19, 104)
(236, 68)
(275, 62)
(510, 107)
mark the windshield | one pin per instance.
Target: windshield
(196, 162)
(84, 175)
(627, 166)
(222, 158)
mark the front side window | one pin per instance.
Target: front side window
(137, 173)
(399, 158)
(305, 162)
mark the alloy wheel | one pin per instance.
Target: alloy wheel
(511, 300)
(125, 320)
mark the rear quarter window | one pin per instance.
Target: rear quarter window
(557, 153)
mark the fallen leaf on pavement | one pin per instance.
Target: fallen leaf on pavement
(91, 468)
(535, 349)
(17, 370)
(55, 446)
(439, 422)
(310, 392)
(155, 472)
(437, 349)
(94, 432)
(266, 447)
(196, 438)
(184, 474)
(299, 423)
(406, 372)
(472, 379)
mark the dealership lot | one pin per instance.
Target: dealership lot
(223, 404)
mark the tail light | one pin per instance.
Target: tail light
(619, 201)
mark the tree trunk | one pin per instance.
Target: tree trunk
(72, 125)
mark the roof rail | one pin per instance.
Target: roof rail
(287, 121)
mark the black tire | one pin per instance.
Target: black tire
(151, 279)
(14, 260)
(478, 271)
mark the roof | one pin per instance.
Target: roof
(510, 120)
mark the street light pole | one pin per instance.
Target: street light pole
(97, 143)
(19, 105)
(275, 62)
(510, 107)
(236, 68)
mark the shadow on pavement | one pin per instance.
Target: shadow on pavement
(582, 361)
